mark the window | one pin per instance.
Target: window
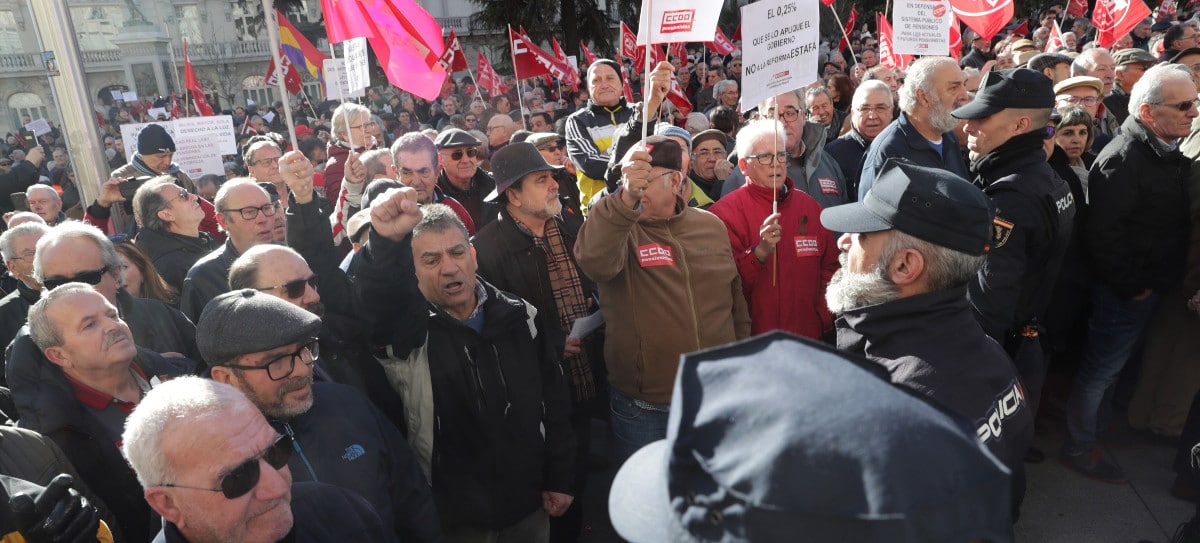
(190, 16)
(96, 26)
(26, 103)
(248, 19)
(255, 88)
(10, 37)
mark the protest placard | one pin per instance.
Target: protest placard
(38, 127)
(337, 87)
(357, 74)
(779, 48)
(921, 27)
(198, 148)
(117, 95)
(129, 96)
(217, 129)
(667, 21)
(130, 131)
(155, 112)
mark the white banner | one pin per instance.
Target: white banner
(197, 152)
(779, 48)
(666, 21)
(337, 87)
(129, 96)
(39, 127)
(218, 129)
(129, 133)
(357, 73)
(921, 27)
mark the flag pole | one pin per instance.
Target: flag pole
(187, 97)
(273, 34)
(175, 68)
(341, 96)
(520, 99)
(646, 76)
(844, 34)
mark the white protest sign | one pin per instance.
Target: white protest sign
(337, 87)
(921, 27)
(779, 48)
(129, 133)
(357, 74)
(268, 117)
(218, 130)
(197, 153)
(38, 127)
(129, 96)
(666, 21)
(117, 95)
(154, 112)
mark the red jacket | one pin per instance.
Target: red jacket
(807, 255)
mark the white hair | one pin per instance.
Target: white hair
(71, 230)
(183, 401)
(860, 94)
(1149, 89)
(9, 237)
(37, 187)
(759, 130)
(920, 78)
(344, 115)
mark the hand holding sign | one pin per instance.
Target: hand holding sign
(635, 174)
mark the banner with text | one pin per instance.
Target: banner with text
(199, 143)
(357, 71)
(921, 27)
(779, 48)
(337, 82)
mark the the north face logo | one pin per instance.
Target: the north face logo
(353, 452)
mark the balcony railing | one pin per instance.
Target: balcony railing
(22, 63)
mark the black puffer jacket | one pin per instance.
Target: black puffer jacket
(1138, 223)
(174, 254)
(14, 311)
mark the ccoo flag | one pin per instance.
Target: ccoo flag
(666, 21)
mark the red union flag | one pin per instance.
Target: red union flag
(572, 79)
(720, 44)
(1077, 8)
(291, 79)
(678, 98)
(667, 21)
(1055, 40)
(193, 84)
(628, 42)
(985, 17)
(530, 60)
(587, 53)
(853, 18)
(956, 43)
(887, 55)
(1115, 18)
(1165, 11)
(453, 59)
(489, 80)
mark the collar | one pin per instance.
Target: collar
(99, 400)
(481, 297)
(892, 328)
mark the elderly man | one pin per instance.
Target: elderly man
(821, 110)
(1035, 211)
(553, 149)
(590, 131)
(46, 203)
(499, 129)
(247, 216)
(771, 241)
(814, 172)
(17, 246)
(710, 167)
(96, 376)
(651, 257)
(1085, 91)
(170, 234)
(498, 443)
(378, 163)
(725, 93)
(1131, 64)
(1137, 233)
(888, 77)
(461, 177)
(199, 447)
(910, 250)
(981, 52)
(266, 347)
(870, 112)
(417, 163)
(528, 251)
(22, 175)
(1099, 63)
(924, 133)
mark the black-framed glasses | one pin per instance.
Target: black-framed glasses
(458, 153)
(280, 367)
(90, 277)
(1075, 100)
(788, 114)
(1182, 106)
(251, 213)
(243, 478)
(768, 159)
(554, 148)
(470, 119)
(294, 289)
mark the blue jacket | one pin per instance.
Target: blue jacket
(901, 139)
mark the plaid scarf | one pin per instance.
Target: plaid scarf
(567, 289)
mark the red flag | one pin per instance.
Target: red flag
(677, 50)
(1055, 40)
(530, 60)
(850, 21)
(956, 43)
(291, 79)
(737, 33)
(887, 56)
(627, 91)
(489, 80)
(1022, 29)
(985, 17)
(639, 58)
(720, 44)
(677, 97)
(1165, 11)
(1113, 19)
(572, 79)
(827, 2)
(193, 84)
(176, 107)
(587, 53)
(628, 42)
(453, 59)
(1077, 8)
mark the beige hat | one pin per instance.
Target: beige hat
(1022, 57)
(1079, 81)
(1022, 43)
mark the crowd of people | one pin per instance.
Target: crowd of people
(416, 316)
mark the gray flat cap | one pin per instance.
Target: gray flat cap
(248, 321)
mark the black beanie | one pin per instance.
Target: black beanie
(154, 139)
(605, 62)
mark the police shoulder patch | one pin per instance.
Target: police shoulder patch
(1001, 231)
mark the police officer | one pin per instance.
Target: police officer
(1006, 128)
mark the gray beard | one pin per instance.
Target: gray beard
(941, 119)
(849, 290)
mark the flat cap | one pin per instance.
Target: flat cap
(455, 137)
(542, 140)
(1133, 55)
(710, 134)
(248, 321)
(1079, 81)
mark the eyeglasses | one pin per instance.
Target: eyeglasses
(242, 479)
(251, 213)
(90, 277)
(553, 148)
(184, 195)
(787, 114)
(767, 160)
(710, 152)
(879, 111)
(293, 289)
(458, 154)
(1185, 105)
(470, 119)
(27, 255)
(1075, 100)
(266, 160)
(282, 366)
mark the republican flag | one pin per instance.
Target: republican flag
(1077, 8)
(720, 44)
(297, 48)
(850, 21)
(587, 53)
(291, 78)
(1055, 40)
(489, 80)
(667, 21)
(1115, 18)
(453, 59)
(193, 84)
(572, 79)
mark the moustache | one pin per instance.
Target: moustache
(296, 384)
(113, 337)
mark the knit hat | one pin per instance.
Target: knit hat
(248, 321)
(668, 129)
(604, 62)
(154, 139)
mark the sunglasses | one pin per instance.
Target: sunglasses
(90, 277)
(457, 155)
(242, 479)
(293, 289)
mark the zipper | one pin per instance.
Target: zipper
(287, 428)
(503, 381)
(478, 380)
